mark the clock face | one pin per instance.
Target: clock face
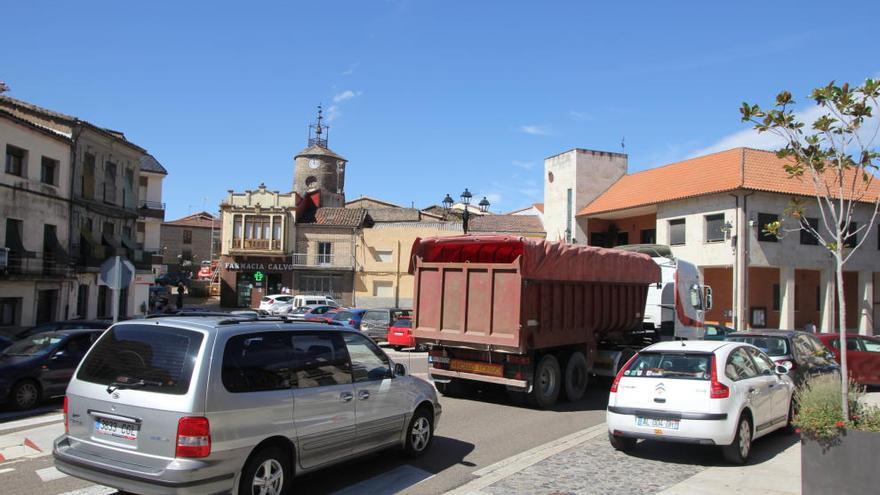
(314, 163)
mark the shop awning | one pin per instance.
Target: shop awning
(128, 243)
(109, 240)
(55, 248)
(15, 244)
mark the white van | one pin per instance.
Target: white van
(300, 301)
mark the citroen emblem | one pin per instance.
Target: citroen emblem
(660, 389)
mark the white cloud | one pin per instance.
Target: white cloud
(524, 165)
(346, 95)
(575, 115)
(535, 130)
(332, 114)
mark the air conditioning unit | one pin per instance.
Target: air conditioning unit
(4, 258)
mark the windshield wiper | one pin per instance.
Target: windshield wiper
(129, 385)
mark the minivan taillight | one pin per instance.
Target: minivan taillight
(620, 373)
(66, 428)
(193, 437)
(717, 390)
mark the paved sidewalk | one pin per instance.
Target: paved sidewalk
(594, 467)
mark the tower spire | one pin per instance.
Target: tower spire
(319, 139)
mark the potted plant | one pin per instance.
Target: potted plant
(837, 456)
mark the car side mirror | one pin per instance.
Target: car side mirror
(399, 369)
(781, 370)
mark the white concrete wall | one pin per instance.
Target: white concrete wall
(154, 187)
(588, 174)
(697, 249)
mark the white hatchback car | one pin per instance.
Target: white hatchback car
(271, 302)
(702, 392)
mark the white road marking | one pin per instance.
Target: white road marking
(91, 490)
(49, 474)
(393, 481)
(7, 470)
(493, 473)
(31, 422)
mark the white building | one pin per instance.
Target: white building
(711, 211)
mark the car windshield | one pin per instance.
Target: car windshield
(376, 316)
(773, 346)
(32, 346)
(686, 366)
(152, 357)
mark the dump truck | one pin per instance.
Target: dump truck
(527, 314)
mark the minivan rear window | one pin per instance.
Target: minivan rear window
(145, 357)
(773, 346)
(687, 366)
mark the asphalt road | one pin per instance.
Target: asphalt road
(474, 432)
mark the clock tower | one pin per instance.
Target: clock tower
(319, 168)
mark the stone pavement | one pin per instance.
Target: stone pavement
(594, 467)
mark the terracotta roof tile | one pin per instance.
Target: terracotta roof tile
(739, 168)
(201, 219)
(340, 217)
(507, 224)
(539, 207)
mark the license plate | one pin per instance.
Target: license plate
(667, 424)
(398, 334)
(476, 367)
(118, 429)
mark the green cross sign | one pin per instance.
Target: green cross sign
(258, 276)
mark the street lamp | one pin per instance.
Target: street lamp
(466, 197)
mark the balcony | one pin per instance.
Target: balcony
(33, 264)
(261, 246)
(152, 209)
(315, 260)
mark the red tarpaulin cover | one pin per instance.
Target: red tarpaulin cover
(541, 260)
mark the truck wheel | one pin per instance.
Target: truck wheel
(576, 377)
(545, 389)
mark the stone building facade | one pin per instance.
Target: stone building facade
(188, 241)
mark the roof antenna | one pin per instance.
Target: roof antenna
(623, 143)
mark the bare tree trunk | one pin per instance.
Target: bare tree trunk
(841, 317)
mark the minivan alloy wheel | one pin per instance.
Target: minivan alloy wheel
(268, 478)
(421, 433)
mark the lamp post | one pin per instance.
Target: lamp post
(466, 197)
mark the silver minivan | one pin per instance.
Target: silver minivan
(210, 404)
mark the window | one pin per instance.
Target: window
(870, 345)
(383, 289)
(325, 253)
(14, 232)
(236, 227)
(740, 366)
(16, 163)
(384, 256)
(277, 223)
(850, 238)
(622, 238)
(49, 171)
(774, 346)
(714, 226)
(82, 300)
(128, 188)
(319, 360)
(187, 236)
(677, 232)
(142, 181)
(108, 229)
(680, 366)
(777, 297)
(10, 311)
(258, 362)
(763, 220)
(109, 182)
(649, 236)
(807, 237)
(50, 233)
(88, 177)
(568, 215)
(368, 363)
(764, 365)
(163, 357)
(186, 254)
(597, 239)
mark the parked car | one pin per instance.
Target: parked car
(39, 366)
(271, 302)
(61, 325)
(350, 317)
(5, 342)
(221, 408)
(300, 301)
(708, 393)
(400, 335)
(862, 356)
(375, 322)
(801, 352)
(717, 332)
(325, 316)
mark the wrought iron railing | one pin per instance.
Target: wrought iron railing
(257, 244)
(35, 263)
(151, 205)
(323, 260)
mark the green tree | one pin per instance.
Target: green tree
(838, 155)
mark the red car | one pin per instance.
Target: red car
(326, 317)
(862, 355)
(400, 334)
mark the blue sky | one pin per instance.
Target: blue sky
(426, 97)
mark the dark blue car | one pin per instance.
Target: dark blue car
(350, 317)
(40, 366)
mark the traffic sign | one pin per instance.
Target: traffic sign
(117, 272)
